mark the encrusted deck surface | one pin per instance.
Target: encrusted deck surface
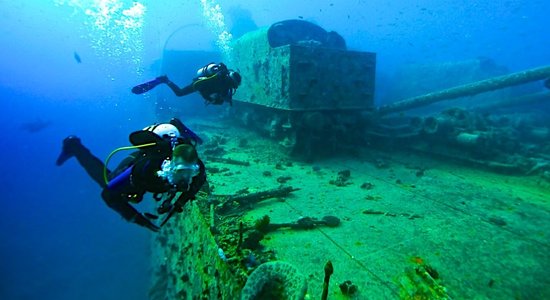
(486, 235)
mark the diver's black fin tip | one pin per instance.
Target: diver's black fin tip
(70, 144)
(63, 157)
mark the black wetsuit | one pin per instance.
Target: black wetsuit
(144, 179)
(215, 89)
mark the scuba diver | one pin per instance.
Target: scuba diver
(165, 163)
(214, 82)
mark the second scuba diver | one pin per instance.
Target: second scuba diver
(215, 82)
(165, 163)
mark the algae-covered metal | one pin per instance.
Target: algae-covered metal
(303, 76)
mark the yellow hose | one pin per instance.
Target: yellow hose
(117, 150)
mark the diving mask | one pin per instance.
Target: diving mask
(178, 173)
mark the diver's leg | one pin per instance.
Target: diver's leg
(186, 90)
(93, 165)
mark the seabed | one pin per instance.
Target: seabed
(412, 226)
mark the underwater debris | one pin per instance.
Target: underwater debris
(283, 179)
(261, 227)
(345, 174)
(389, 214)
(381, 164)
(373, 197)
(214, 170)
(373, 212)
(348, 288)
(265, 226)
(433, 272)
(253, 239)
(342, 178)
(235, 202)
(420, 172)
(421, 282)
(497, 221)
(367, 186)
(228, 161)
(331, 221)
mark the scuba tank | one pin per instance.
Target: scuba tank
(208, 70)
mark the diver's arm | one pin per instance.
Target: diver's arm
(195, 186)
(227, 96)
(127, 211)
(209, 98)
(199, 180)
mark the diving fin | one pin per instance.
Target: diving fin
(71, 145)
(145, 87)
(185, 132)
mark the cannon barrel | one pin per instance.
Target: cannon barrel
(470, 89)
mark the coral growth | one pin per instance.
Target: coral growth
(275, 280)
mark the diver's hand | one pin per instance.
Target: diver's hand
(143, 221)
(214, 99)
(162, 79)
(165, 207)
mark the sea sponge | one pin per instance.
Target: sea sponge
(275, 280)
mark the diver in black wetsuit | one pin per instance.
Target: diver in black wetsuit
(214, 82)
(166, 163)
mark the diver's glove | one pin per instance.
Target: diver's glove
(141, 220)
(162, 79)
(165, 207)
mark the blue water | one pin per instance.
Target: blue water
(58, 239)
